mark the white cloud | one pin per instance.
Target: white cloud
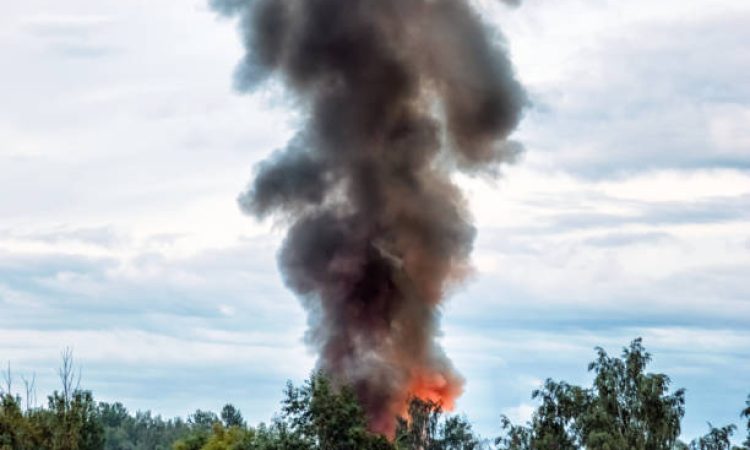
(121, 235)
(621, 87)
(729, 126)
(520, 414)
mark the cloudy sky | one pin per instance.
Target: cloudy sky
(123, 148)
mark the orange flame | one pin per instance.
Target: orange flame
(425, 385)
(435, 387)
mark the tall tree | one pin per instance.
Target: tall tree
(715, 439)
(426, 428)
(12, 424)
(419, 429)
(231, 416)
(74, 423)
(328, 417)
(625, 408)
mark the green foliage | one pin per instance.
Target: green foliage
(625, 408)
(321, 416)
(141, 431)
(630, 408)
(193, 441)
(716, 439)
(458, 435)
(202, 424)
(516, 437)
(203, 420)
(316, 415)
(231, 416)
(12, 424)
(235, 437)
(426, 429)
(69, 423)
(419, 429)
(555, 426)
(328, 418)
(75, 424)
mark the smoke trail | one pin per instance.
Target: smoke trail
(398, 93)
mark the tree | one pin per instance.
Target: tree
(317, 415)
(327, 417)
(73, 422)
(141, 431)
(8, 381)
(231, 416)
(70, 421)
(70, 383)
(279, 436)
(456, 434)
(30, 390)
(516, 437)
(716, 439)
(202, 425)
(204, 420)
(425, 428)
(11, 423)
(626, 408)
(630, 406)
(419, 430)
(554, 425)
(232, 438)
(115, 420)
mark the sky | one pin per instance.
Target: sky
(123, 148)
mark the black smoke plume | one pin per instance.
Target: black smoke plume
(397, 94)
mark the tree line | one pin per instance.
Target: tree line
(625, 408)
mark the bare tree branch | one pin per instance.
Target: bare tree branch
(66, 373)
(30, 387)
(8, 378)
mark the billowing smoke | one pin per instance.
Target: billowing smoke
(397, 94)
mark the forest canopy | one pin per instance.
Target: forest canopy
(625, 408)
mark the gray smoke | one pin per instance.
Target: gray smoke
(398, 93)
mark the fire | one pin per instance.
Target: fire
(436, 388)
(425, 385)
(378, 230)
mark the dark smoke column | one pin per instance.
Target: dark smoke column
(397, 94)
